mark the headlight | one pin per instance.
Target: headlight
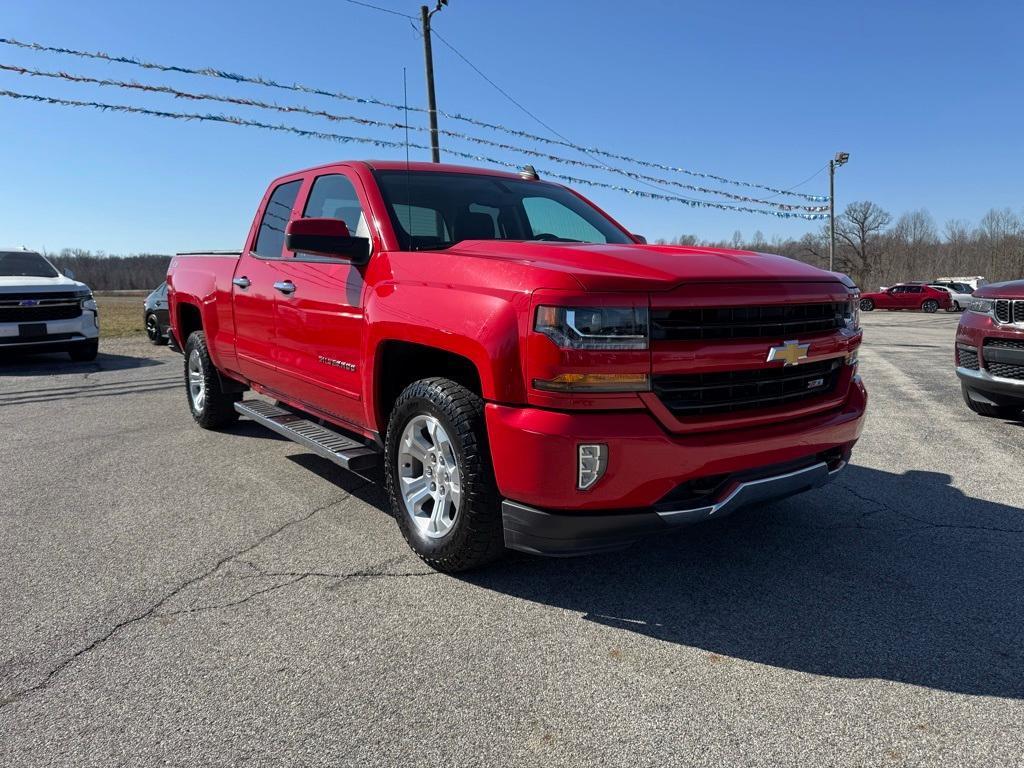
(851, 314)
(981, 306)
(602, 328)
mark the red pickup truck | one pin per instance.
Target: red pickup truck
(990, 350)
(529, 374)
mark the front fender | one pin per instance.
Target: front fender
(486, 328)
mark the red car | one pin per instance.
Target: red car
(990, 350)
(907, 296)
(528, 372)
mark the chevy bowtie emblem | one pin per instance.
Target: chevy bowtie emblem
(28, 303)
(790, 352)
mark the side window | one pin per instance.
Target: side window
(915, 289)
(550, 217)
(270, 240)
(334, 197)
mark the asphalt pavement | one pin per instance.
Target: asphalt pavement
(172, 596)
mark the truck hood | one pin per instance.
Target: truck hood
(21, 284)
(1013, 289)
(645, 267)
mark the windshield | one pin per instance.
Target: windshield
(436, 210)
(25, 264)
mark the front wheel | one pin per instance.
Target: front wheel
(930, 306)
(211, 406)
(439, 476)
(866, 305)
(153, 330)
(84, 351)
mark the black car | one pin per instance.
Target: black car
(156, 316)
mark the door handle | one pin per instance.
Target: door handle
(285, 286)
(242, 282)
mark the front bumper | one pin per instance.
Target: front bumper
(973, 331)
(538, 532)
(59, 336)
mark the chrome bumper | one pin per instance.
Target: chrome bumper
(563, 534)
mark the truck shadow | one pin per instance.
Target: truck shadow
(58, 364)
(897, 577)
(879, 575)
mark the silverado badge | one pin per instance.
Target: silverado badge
(791, 352)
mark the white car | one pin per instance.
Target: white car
(42, 310)
(960, 293)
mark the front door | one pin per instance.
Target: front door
(253, 295)
(319, 324)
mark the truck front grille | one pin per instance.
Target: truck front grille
(1009, 357)
(784, 321)
(702, 394)
(1008, 311)
(37, 308)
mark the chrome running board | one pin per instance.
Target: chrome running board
(333, 446)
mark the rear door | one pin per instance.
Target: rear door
(320, 323)
(253, 295)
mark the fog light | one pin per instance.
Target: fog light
(593, 460)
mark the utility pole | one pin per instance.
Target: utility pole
(428, 57)
(839, 159)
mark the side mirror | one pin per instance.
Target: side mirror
(326, 237)
(639, 238)
(69, 274)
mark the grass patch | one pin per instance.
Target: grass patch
(121, 314)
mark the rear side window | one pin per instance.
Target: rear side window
(270, 240)
(334, 197)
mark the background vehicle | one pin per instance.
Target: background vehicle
(907, 296)
(528, 373)
(990, 350)
(155, 316)
(973, 282)
(42, 310)
(959, 293)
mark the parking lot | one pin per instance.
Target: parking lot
(179, 597)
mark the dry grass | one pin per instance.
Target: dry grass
(121, 313)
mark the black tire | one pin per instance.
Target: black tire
(956, 307)
(475, 537)
(991, 411)
(218, 407)
(930, 306)
(867, 305)
(84, 351)
(156, 338)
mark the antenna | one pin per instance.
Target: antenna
(408, 191)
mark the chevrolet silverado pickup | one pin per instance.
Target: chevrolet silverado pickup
(528, 373)
(42, 310)
(990, 350)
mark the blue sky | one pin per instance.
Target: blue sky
(926, 96)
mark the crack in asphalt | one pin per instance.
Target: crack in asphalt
(883, 506)
(152, 611)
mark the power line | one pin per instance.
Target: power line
(345, 139)
(163, 89)
(379, 8)
(297, 87)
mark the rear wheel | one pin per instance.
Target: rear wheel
(988, 409)
(930, 306)
(84, 351)
(439, 476)
(867, 305)
(211, 406)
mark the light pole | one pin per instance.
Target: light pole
(428, 57)
(839, 159)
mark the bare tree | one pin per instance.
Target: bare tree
(860, 229)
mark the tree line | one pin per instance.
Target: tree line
(103, 272)
(875, 250)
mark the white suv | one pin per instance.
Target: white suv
(42, 310)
